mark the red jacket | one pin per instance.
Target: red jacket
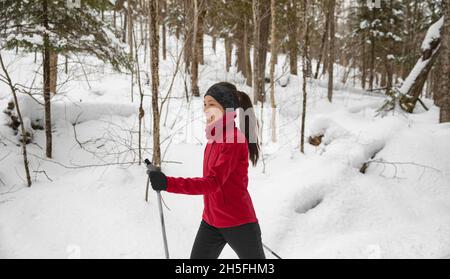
(227, 202)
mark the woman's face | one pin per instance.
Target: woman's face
(212, 109)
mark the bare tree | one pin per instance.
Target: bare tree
(261, 24)
(322, 44)
(154, 46)
(7, 79)
(304, 70)
(332, 5)
(273, 53)
(256, 26)
(194, 52)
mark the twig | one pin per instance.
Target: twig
(93, 165)
(44, 174)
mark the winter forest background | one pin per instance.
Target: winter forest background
(352, 99)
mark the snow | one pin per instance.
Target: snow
(312, 205)
(433, 33)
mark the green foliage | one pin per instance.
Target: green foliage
(70, 31)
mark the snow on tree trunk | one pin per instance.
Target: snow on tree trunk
(413, 84)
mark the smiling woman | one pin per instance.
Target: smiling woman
(228, 215)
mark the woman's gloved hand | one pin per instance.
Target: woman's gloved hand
(158, 180)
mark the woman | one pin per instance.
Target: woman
(228, 215)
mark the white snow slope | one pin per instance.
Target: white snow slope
(89, 203)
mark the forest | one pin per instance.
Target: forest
(352, 107)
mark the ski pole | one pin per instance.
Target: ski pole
(272, 252)
(151, 167)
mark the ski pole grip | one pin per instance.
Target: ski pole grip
(150, 166)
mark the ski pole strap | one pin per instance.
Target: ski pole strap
(271, 251)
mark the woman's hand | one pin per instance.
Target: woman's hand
(158, 180)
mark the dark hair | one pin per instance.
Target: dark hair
(249, 126)
(228, 96)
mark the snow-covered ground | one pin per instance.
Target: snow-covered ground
(90, 203)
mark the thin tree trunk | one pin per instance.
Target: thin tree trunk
(194, 63)
(248, 63)
(264, 32)
(322, 45)
(364, 66)
(46, 70)
(124, 23)
(164, 48)
(154, 45)
(273, 54)
(228, 52)
(130, 28)
(256, 38)
(372, 57)
(188, 33)
(141, 101)
(19, 114)
(240, 50)
(53, 71)
(331, 50)
(292, 37)
(444, 115)
(200, 30)
(66, 64)
(304, 73)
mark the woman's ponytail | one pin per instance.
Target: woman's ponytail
(248, 124)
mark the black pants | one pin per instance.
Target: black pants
(245, 240)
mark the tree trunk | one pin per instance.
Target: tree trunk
(363, 62)
(213, 43)
(263, 46)
(444, 115)
(240, 50)
(332, 4)
(256, 39)
(413, 84)
(164, 48)
(304, 72)
(154, 45)
(248, 63)
(292, 37)
(261, 19)
(46, 72)
(53, 71)
(273, 54)
(19, 114)
(228, 52)
(372, 63)
(194, 51)
(130, 28)
(322, 45)
(200, 30)
(188, 16)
